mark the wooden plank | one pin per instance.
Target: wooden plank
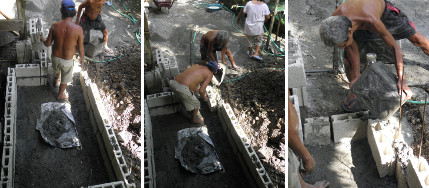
(11, 25)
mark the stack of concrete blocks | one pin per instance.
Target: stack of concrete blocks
(33, 74)
(297, 79)
(162, 103)
(169, 69)
(116, 184)
(35, 32)
(418, 173)
(242, 148)
(9, 151)
(149, 159)
(380, 138)
(349, 127)
(295, 102)
(317, 131)
(213, 98)
(23, 51)
(113, 159)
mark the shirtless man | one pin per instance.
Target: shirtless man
(214, 41)
(297, 147)
(91, 19)
(66, 36)
(186, 83)
(359, 20)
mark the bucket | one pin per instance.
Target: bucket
(214, 7)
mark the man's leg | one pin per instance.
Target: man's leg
(105, 38)
(250, 46)
(258, 45)
(195, 118)
(61, 92)
(420, 41)
(231, 59)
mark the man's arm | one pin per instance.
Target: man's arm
(79, 10)
(397, 53)
(295, 143)
(224, 50)
(47, 42)
(80, 46)
(210, 48)
(204, 85)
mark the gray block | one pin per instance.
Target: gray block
(296, 71)
(301, 92)
(317, 131)
(417, 173)
(94, 48)
(23, 51)
(350, 126)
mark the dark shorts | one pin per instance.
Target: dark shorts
(88, 24)
(396, 22)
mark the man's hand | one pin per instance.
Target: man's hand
(205, 98)
(309, 165)
(42, 39)
(406, 89)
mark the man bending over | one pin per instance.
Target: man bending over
(360, 20)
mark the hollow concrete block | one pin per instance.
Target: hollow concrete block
(116, 184)
(301, 92)
(350, 126)
(317, 131)
(296, 71)
(380, 138)
(94, 48)
(161, 99)
(418, 173)
(23, 51)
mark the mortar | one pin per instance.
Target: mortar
(377, 89)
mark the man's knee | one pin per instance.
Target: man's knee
(105, 32)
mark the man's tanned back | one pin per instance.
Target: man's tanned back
(66, 36)
(194, 76)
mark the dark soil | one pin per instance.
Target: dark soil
(38, 164)
(258, 100)
(170, 173)
(119, 83)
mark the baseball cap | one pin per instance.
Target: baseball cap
(214, 65)
(68, 4)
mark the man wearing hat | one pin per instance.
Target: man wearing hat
(65, 36)
(91, 19)
(185, 84)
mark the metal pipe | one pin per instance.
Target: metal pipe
(320, 71)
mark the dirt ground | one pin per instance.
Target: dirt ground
(39, 164)
(258, 96)
(355, 158)
(121, 78)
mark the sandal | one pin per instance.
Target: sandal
(257, 57)
(346, 106)
(108, 50)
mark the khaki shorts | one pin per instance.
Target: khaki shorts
(185, 95)
(293, 165)
(63, 68)
(257, 39)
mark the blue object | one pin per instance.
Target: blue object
(214, 65)
(214, 7)
(68, 4)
